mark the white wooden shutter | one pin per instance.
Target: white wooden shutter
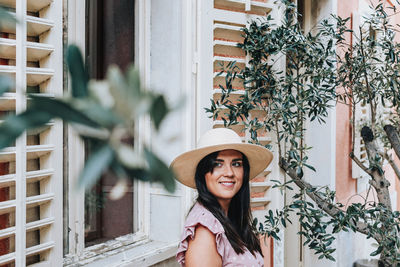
(362, 112)
(31, 53)
(361, 115)
(229, 16)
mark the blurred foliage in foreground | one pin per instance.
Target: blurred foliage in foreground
(104, 113)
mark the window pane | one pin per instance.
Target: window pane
(110, 40)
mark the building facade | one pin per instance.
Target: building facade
(178, 45)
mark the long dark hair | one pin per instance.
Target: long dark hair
(238, 223)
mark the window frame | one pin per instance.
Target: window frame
(138, 245)
(76, 156)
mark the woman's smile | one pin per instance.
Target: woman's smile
(227, 184)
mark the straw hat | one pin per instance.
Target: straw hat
(184, 166)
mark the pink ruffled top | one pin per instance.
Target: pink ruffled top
(199, 215)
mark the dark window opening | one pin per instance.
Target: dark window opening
(110, 40)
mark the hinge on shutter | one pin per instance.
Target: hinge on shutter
(195, 63)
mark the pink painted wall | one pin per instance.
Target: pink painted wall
(394, 181)
(346, 186)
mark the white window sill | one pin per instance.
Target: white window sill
(141, 253)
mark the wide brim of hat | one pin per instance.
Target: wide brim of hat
(184, 166)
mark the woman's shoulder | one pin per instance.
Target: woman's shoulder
(200, 215)
(202, 219)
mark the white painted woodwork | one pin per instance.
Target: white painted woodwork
(190, 46)
(7, 258)
(47, 53)
(35, 51)
(32, 5)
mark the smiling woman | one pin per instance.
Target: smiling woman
(226, 177)
(218, 229)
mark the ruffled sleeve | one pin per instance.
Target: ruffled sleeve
(200, 216)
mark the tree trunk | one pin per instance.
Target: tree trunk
(379, 182)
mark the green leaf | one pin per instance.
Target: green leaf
(126, 100)
(6, 19)
(159, 171)
(15, 125)
(299, 172)
(139, 173)
(60, 109)
(158, 110)
(131, 157)
(5, 84)
(309, 166)
(377, 252)
(98, 161)
(100, 90)
(78, 72)
(95, 112)
(133, 77)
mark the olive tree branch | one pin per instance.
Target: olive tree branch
(329, 208)
(396, 169)
(378, 181)
(359, 163)
(393, 138)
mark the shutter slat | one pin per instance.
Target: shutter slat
(7, 180)
(36, 26)
(41, 129)
(39, 199)
(219, 91)
(7, 48)
(32, 5)
(232, 16)
(7, 154)
(258, 187)
(237, 127)
(226, 27)
(226, 43)
(39, 248)
(7, 206)
(7, 232)
(244, 6)
(37, 151)
(7, 102)
(38, 51)
(36, 76)
(264, 140)
(259, 201)
(5, 69)
(39, 174)
(229, 59)
(35, 225)
(32, 176)
(7, 258)
(35, 51)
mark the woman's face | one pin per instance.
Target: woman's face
(226, 179)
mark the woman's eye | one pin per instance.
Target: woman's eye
(217, 164)
(237, 164)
